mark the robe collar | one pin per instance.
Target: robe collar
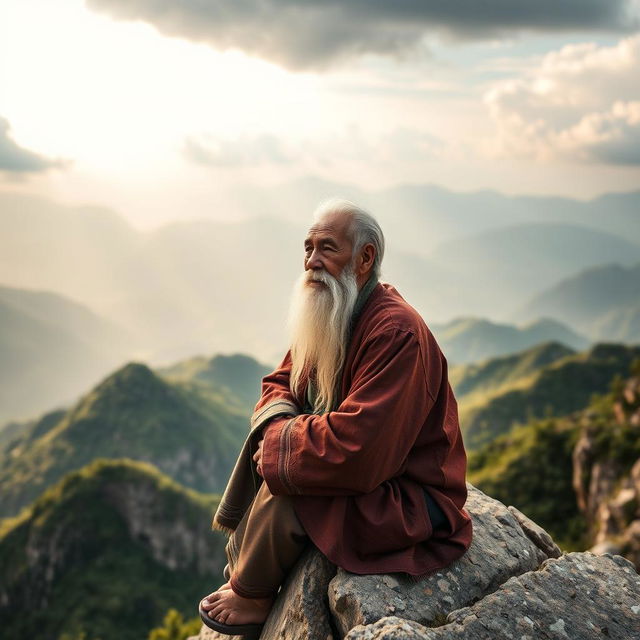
(363, 296)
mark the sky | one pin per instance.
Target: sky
(163, 109)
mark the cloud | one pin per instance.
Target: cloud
(244, 151)
(18, 160)
(581, 102)
(351, 146)
(314, 34)
(611, 137)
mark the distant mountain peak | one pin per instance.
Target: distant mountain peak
(189, 432)
(237, 372)
(544, 323)
(130, 374)
(130, 391)
(234, 359)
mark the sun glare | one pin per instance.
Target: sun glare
(104, 93)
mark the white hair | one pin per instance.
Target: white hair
(318, 323)
(319, 319)
(364, 227)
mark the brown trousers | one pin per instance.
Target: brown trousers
(265, 546)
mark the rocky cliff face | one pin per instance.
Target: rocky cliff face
(606, 473)
(105, 552)
(513, 582)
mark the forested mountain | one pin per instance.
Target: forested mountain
(577, 475)
(107, 550)
(189, 430)
(475, 382)
(564, 385)
(236, 375)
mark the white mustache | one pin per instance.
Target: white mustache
(320, 276)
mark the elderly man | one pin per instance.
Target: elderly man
(355, 443)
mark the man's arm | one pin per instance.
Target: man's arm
(276, 398)
(366, 440)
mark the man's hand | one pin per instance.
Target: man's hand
(257, 456)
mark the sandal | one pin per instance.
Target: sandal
(249, 631)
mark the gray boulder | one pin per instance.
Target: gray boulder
(500, 549)
(302, 607)
(390, 628)
(578, 596)
(513, 582)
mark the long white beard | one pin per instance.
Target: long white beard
(319, 318)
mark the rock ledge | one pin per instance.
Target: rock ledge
(513, 582)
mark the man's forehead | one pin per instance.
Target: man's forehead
(332, 225)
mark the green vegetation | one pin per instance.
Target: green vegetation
(472, 382)
(559, 388)
(189, 430)
(175, 627)
(106, 552)
(531, 468)
(235, 376)
(615, 439)
(104, 538)
(79, 635)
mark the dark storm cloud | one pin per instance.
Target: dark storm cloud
(308, 34)
(16, 159)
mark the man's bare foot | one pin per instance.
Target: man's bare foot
(213, 595)
(226, 606)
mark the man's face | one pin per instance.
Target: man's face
(328, 246)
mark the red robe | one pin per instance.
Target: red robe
(357, 473)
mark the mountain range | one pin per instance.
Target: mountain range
(135, 534)
(108, 493)
(472, 339)
(549, 379)
(53, 349)
(190, 429)
(577, 474)
(49, 347)
(108, 548)
(203, 286)
(437, 214)
(602, 302)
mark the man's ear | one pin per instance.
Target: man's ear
(366, 259)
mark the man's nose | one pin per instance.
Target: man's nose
(314, 261)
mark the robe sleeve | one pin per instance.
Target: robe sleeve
(276, 398)
(365, 441)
